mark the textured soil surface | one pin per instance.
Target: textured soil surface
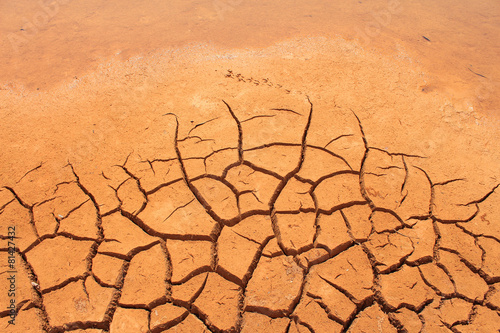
(310, 228)
(306, 183)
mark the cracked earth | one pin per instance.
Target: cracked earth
(298, 226)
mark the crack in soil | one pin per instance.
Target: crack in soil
(208, 249)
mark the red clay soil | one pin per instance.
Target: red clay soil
(309, 186)
(232, 229)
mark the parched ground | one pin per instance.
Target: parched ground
(284, 218)
(250, 166)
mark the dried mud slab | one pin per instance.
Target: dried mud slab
(277, 218)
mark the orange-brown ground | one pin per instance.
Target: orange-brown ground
(311, 182)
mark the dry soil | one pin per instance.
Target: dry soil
(304, 183)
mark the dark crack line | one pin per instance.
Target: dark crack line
(216, 232)
(200, 139)
(331, 175)
(331, 153)
(391, 166)
(164, 160)
(139, 186)
(252, 192)
(433, 193)
(405, 181)
(342, 290)
(59, 184)
(476, 73)
(68, 214)
(259, 116)
(18, 199)
(272, 144)
(159, 187)
(337, 138)
(449, 181)
(151, 166)
(376, 174)
(285, 144)
(5, 205)
(287, 110)
(34, 169)
(169, 324)
(481, 199)
(265, 171)
(28, 207)
(285, 180)
(319, 300)
(177, 208)
(38, 204)
(188, 182)
(240, 132)
(201, 124)
(36, 292)
(247, 238)
(397, 154)
(150, 231)
(361, 129)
